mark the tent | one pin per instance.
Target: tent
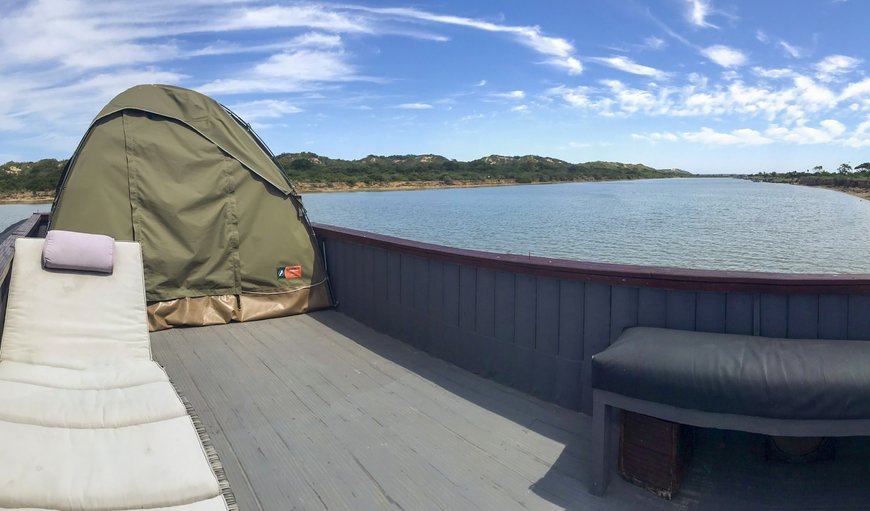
(224, 234)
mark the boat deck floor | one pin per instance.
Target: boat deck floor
(320, 412)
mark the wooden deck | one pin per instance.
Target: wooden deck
(320, 412)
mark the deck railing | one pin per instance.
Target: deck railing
(534, 323)
(35, 225)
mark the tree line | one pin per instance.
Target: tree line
(309, 168)
(844, 176)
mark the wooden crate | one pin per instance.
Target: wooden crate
(653, 452)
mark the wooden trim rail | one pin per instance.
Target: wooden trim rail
(29, 227)
(619, 274)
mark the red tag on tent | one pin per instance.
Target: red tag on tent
(293, 272)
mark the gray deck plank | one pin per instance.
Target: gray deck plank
(320, 412)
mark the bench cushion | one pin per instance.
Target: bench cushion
(739, 374)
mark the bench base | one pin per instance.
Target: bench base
(604, 402)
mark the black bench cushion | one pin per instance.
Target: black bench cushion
(739, 374)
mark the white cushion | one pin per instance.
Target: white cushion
(159, 464)
(75, 320)
(103, 408)
(212, 504)
(124, 374)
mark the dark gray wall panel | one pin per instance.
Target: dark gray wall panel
(502, 362)
(544, 370)
(421, 285)
(436, 290)
(774, 315)
(436, 341)
(681, 310)
(623, 311)
(833, 317)
(485, 303)
(538, 334)
(859, 317)
(547, 316)
(739, 313)
(525, 306)
(571, 320)
(467, 295)
(803, 316)
(569, 383)
(522, 368)
(504, 307)
(596, 319)
(652, 307)
(451, 295)
(406, 281)
(367, 281)
(379, 279)
(394, 278)
(710, 312)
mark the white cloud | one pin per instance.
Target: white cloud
(289, 71)
(860, 137)
(856, 89)
(514, 94)
(697, 12)
(520, 108)
(828, 131)
(629, 66)
(762, 36)
(793, 51)
(316, 40)
(743, 136)
(414, 106)
(307, 16)
(576, 97)
(560, 52)
(833, 66)
(654, 43)
(656, 136)
(264, 109)
(774, 73)
(480, 83)
(725, 56)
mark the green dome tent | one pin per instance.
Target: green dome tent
(224, 235)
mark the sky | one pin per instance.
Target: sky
(709, 86)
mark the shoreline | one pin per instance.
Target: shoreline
(27, 198)
(854, 191)
(306, 188)
(861, 193)
(395, 186)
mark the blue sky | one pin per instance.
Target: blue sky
(703, 85)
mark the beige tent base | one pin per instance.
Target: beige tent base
(218, 310)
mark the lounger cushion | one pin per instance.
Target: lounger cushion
(739, 374)
(72, 408)
(145, 466)
(75, 320)
(126, 374)
(66, 250)
(212, 504)
(88, 420)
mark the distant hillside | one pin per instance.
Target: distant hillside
(373, 170)
(310, 171)
(40, 176)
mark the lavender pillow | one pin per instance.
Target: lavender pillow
(67, 250)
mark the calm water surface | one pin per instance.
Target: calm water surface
(694, 223)
(12, 213)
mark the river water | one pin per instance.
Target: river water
(707, 223)
(728, 224)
